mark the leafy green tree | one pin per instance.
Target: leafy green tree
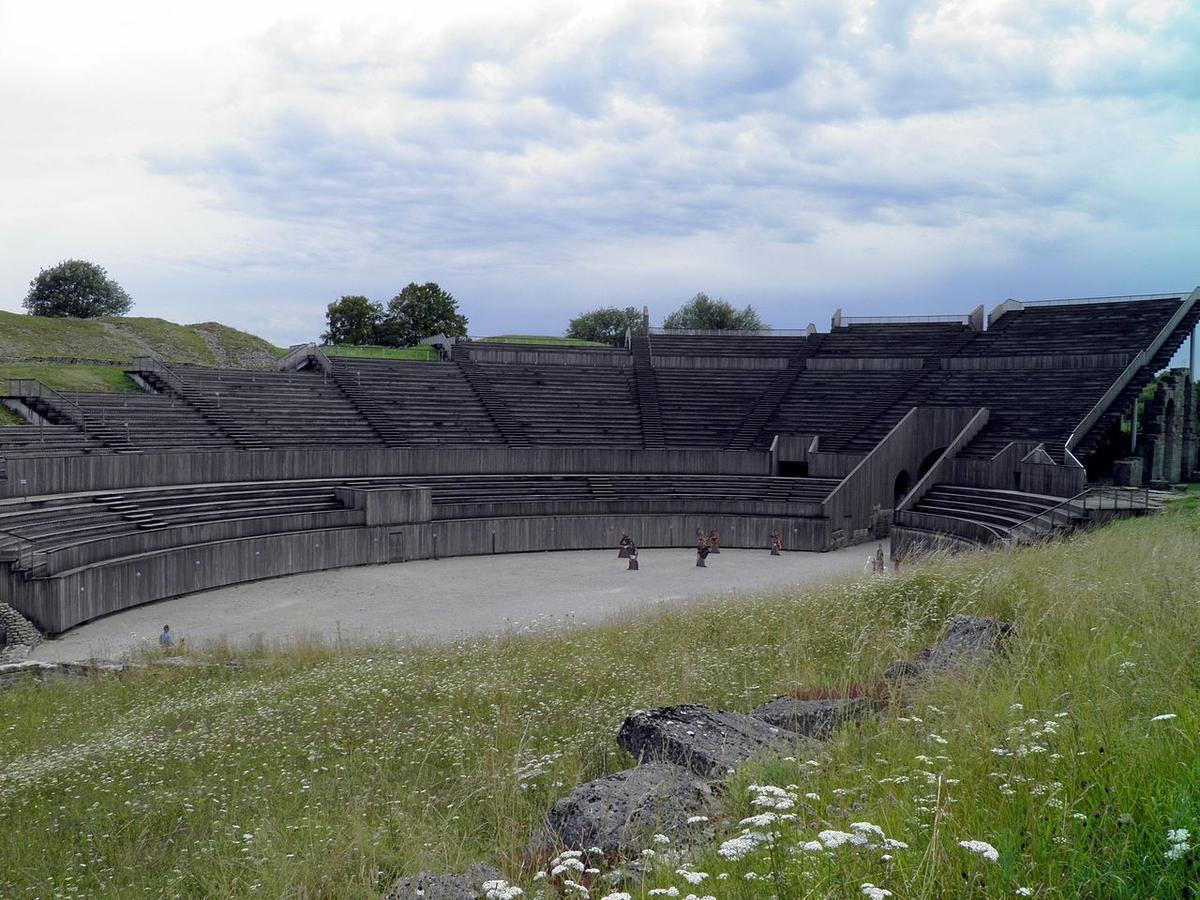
(352, 320)
(606, 325)
(704, 313)
(76, 289)
(419, 311)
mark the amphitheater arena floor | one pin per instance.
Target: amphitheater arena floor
(441, 600)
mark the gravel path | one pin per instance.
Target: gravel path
(442, 600)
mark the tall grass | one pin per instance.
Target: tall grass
(319, 770)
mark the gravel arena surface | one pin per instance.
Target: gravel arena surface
(442, 600)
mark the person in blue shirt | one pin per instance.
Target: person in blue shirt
(165, 639)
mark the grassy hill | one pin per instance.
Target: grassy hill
(327, 770)
(87, 354)
(120, 339)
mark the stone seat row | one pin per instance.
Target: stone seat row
(1077, 328)
(996, 509)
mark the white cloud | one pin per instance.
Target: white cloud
(249, 162)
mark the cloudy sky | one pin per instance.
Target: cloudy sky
(249, 162)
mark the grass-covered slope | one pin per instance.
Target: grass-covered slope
(326, 772)
(121, 339)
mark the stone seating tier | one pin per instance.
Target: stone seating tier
(412, 402)
(564, 405)
(1075, 328)
(704, 407)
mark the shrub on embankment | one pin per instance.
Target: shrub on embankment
(328, 772)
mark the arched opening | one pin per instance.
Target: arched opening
(900, 491)
(928, 461)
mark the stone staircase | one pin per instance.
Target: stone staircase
(647, 394)
(506, 423)
(208, 407)
(758, 416)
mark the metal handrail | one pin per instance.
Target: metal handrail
(31, 387)
(300, 351)
(1143, 358)
(900, 320)
(730, 332)
(1049, 510)
(23, 545)
(158, 367)
(1083, 495)
(1075, 301)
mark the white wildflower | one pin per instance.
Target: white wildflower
(873, 892)
(762, 820)
(983, 848)
(866, 829)
(499, 889)
(737, 847)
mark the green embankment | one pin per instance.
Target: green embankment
(65, 378)
(120, 339)
(326, 771)
(371, 351)
(542, 339)
(43, 348)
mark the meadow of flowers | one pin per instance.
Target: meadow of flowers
(1068, 769)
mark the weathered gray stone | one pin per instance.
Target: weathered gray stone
(20, 635)
(900, 669)
(709, 742)
(431, 886)
(625, 810)
(970, 641)
(812, 718)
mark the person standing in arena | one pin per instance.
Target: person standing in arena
(702, 549)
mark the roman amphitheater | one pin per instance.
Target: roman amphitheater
(956, 430)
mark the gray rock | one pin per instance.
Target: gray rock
(970, 641)
(901, 669)
(625, 810)
(430, 886)
(812, 718)
(709, 742)
(20, 635)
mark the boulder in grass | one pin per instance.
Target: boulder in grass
(813, 718)
(970, 641)
(623, 811)
(709, 742)
(430, 886)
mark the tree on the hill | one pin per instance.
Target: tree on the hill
(704, 313)
(606, 325)
(419, 311)
(76, 289)
(352, 320)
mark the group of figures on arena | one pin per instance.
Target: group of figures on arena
(706, 544)
(627, 549)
